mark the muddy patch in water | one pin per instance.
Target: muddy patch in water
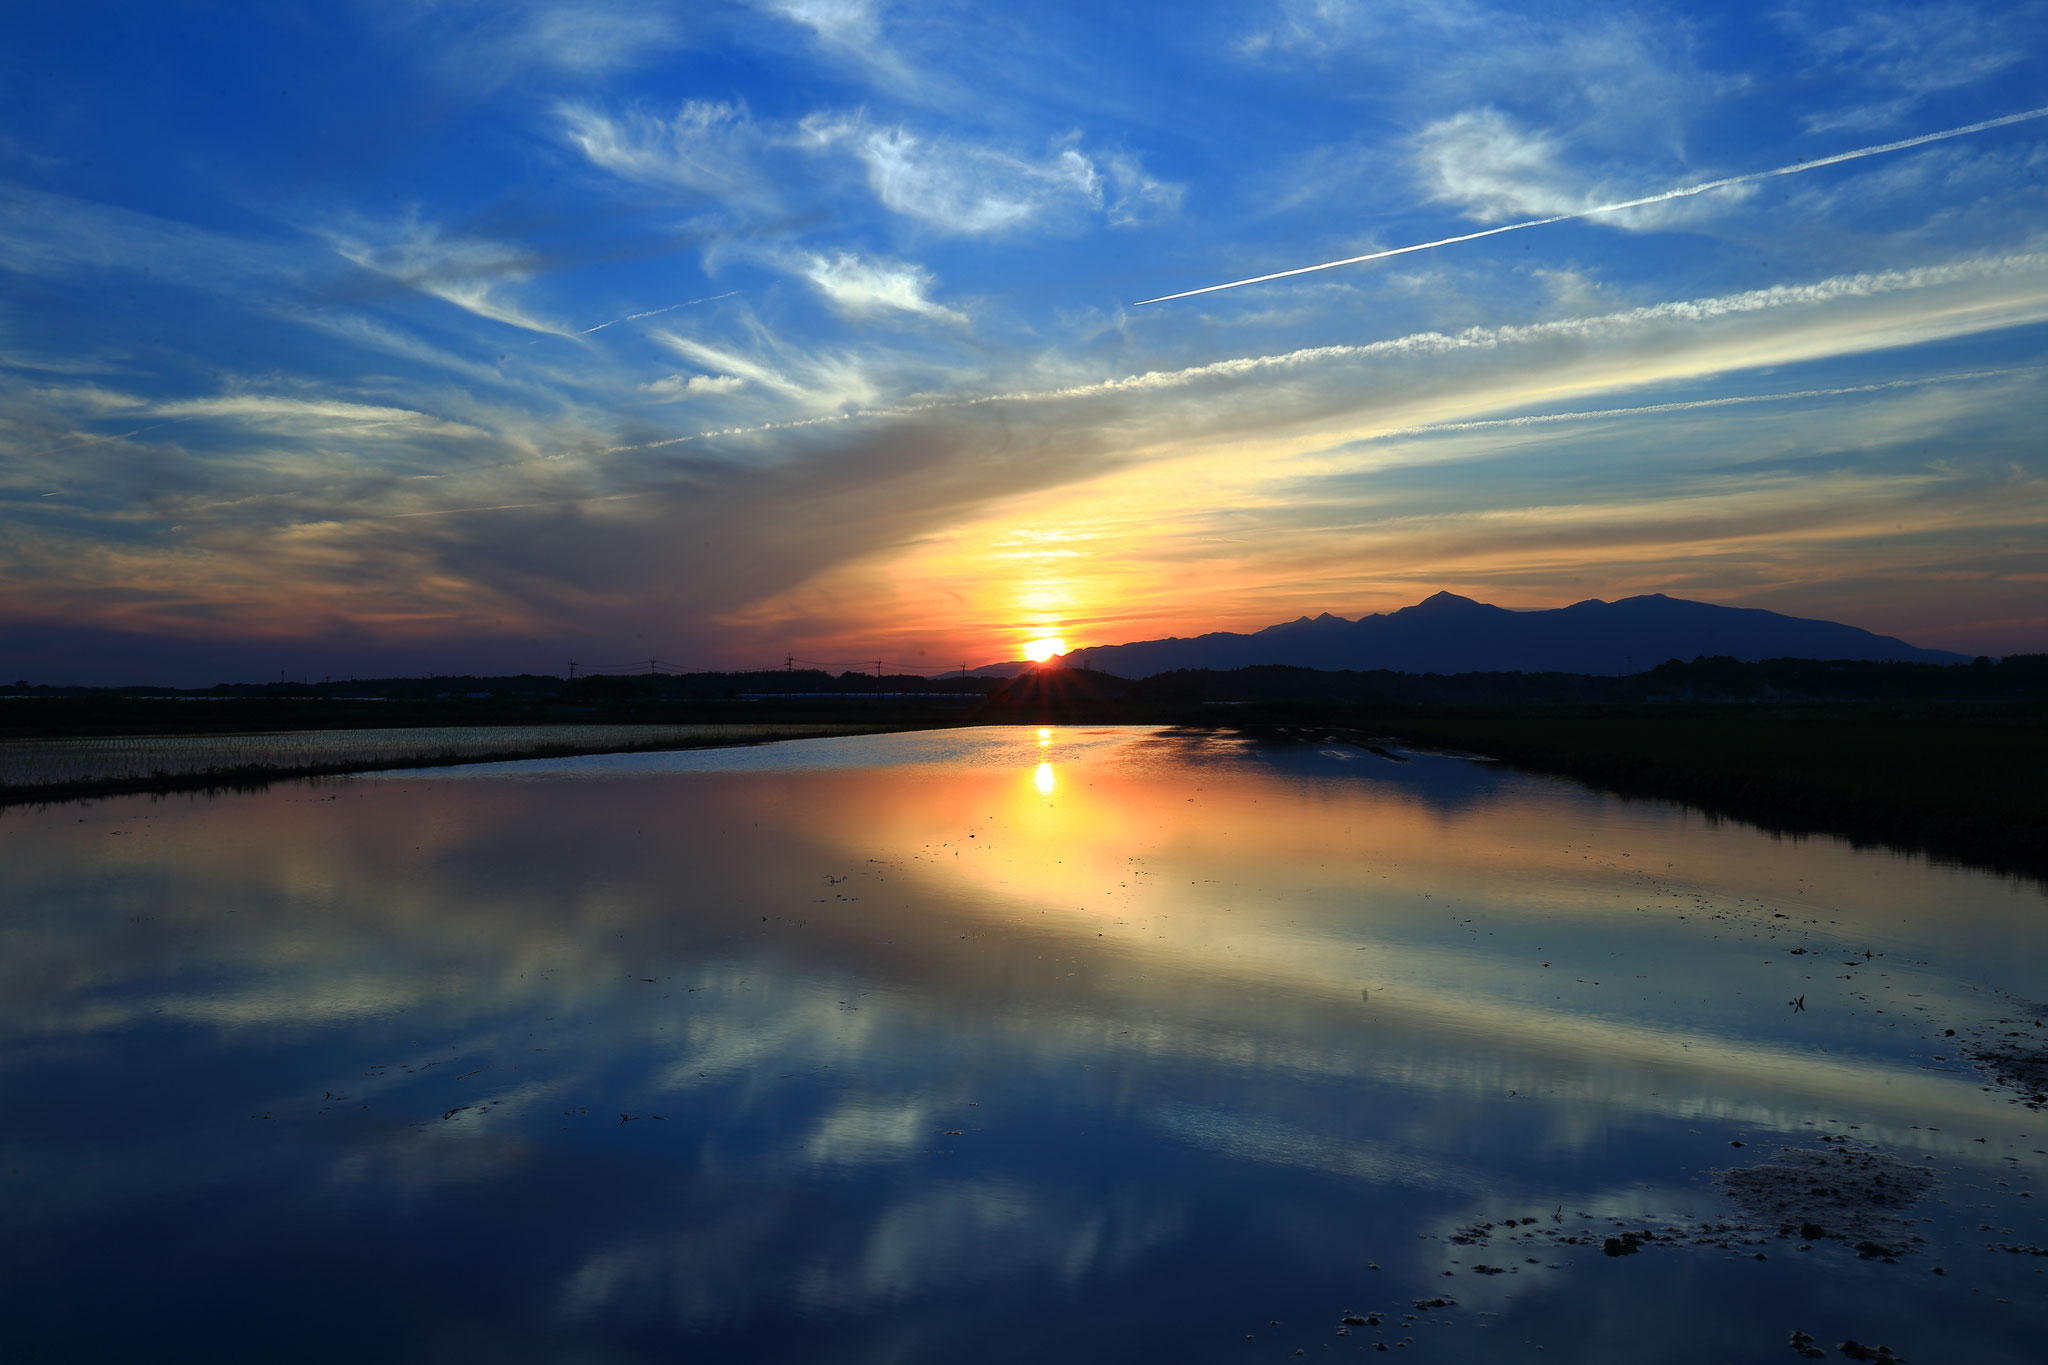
(2012, 1053)
(1842, 1192)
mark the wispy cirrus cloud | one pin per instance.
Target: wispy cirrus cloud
(708, 147)
(1618, 74)
(1519, 156)
(848, 29)
(846, 23)
(1492, 167)
(469, 272)
(1136, 197)
(680, 386)
(976, 189)
(484, 45)
(942, 180)
(815, 380)
(1602, 92)
(357, 329)
(963, 187)
(860, 287)
(1898, 55)
(286, 413)
(43, 233)
(1678, 339)
(1689, 405)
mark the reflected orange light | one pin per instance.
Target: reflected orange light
(1043, 779)
(1044, 737)
(1038, 651)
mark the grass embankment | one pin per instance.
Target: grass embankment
(1957, 780)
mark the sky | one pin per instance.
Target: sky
(441, 336)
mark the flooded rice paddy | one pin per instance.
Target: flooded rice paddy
(1005, 1045)
(31, 763)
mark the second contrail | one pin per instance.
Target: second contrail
(656, 312)
(1683, 192)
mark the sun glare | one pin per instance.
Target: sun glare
(1038, 651)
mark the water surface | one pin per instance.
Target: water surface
(988, 1044)
(31, 763)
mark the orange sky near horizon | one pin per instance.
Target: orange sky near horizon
(802, 348)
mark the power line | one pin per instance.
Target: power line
(860, 665)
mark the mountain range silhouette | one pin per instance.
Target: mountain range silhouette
(1446, 633)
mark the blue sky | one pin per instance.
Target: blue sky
(461, 336)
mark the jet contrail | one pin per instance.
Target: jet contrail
(655, 312)
(505, 506)
(100, 440)
(1683, 192)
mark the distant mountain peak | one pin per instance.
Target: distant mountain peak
(1448, 633)
(1443, 602)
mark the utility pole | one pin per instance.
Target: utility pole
(878, 668)
(650, 668)
(572, 670)
(789, 663)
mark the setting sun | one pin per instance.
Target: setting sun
(1038, 651)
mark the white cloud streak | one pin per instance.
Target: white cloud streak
(962, 187)
(695, 385)
(860, 287)
(1835, 289)
(709, 147)
(466, 272)
(486, 46)
(1666, 196)
(1693, 405)
(1901, 54)
(270, 410)
(818, 381)
(852, 26)
(1483, 162)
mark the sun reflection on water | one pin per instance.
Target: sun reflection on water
(1362, 977)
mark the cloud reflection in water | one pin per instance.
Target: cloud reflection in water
(699, 1040)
